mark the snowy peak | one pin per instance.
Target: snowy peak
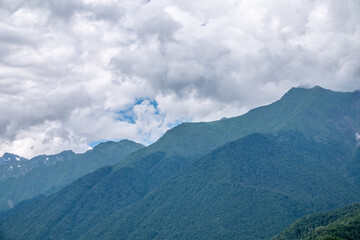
(9, 157)
(12, 165)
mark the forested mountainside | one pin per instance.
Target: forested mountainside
(66, 167)
(339, 224)
(308, 148)
(251, 188)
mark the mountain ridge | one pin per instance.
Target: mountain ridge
(65, 167)
(14, 166)
(324, 121)
(246, 177)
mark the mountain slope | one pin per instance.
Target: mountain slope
(45, 179)
(320, 114)
(323, 116)
(354, 167)
(335, 225)
(12, 165)
(247, 189)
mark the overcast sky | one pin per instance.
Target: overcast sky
(76, 72)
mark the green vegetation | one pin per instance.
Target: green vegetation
(354, 167)
(47, 179)
(335, 225)
(186, 184)
(247, 189)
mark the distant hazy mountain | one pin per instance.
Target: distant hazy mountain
(342, 224)
(8, 157)
(12, 165)
(186, 183)
(49, 173)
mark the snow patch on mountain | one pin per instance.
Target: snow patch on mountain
(10, 203)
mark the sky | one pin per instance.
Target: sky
(76, 72)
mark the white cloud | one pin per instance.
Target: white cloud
(69, 70)
(44, 138)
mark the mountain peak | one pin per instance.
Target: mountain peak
(123, 142)
(317, 96)
(6, 155)
(304, 90)
(316, 91)
(10, 157)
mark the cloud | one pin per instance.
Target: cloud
(74, 72)
(244, 45)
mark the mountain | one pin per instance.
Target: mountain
(341, 224)
(354, 167)
(325, 118)
(247, 189)
(8, 157)
(61, 169)
(12, 166)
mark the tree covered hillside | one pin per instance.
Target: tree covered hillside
(248, 189)
(342, 224)
(47, 179)
(213, 177)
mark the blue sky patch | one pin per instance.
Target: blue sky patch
(127, 114)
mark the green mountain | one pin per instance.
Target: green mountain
(248, 189)
(66, 167)
(342, 224)
(354, 168)
(325, 118)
